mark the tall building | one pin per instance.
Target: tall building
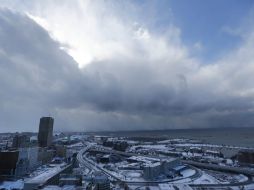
(45, 134)
(20, 141)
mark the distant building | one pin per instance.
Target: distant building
(45, 134)
(151, 171)
(165, 167)
(166, 186)
(245, 157)
(45, 155)
(68, 179)
(60, 150)
(101, 181)
(27, 160)
(20, 141)
(8, 161)
(116, 144)
(183, 186)
(33, 157)
(50, 176)
(229, 152)
(22, 167)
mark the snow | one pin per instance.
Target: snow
(157, 147)
(241, 178)
(249, 187)
(79, 144)
(165, 186)
(183, 186)
(211, 146)
(45, 174)
(134, 174)
(206, 179)
(8, 185)
(188, 172)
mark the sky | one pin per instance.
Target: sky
(100, 65)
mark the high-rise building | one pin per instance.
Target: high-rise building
(20, 141)
(45, 134)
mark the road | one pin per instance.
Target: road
(220, 168)
(93, 167)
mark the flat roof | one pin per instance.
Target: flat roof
(46, 174)
(166, 186)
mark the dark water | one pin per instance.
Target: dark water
(243, 137)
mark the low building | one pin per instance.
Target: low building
(102, 158)
(49, 176)
(114, 158)
(27, 160)
(101, 181)
(8, 162)
(60, 150)
(196, 150)
(45, 155)
(68, 179)
(245, 157)
(229, 152)
(152, 170)
(20, 141)
(142, 159)
(166, 186)
(213, 153)
(183, 187)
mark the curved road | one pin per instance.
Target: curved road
(93, 167)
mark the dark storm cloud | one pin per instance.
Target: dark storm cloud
(34, 72)
(38, 78)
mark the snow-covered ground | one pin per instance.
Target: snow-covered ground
(188, 172)
(206, 179)
(226, 178)
(9, 185)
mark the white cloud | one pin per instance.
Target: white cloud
(97, 30)
(129, 74)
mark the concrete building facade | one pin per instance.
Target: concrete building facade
(153, 170)
(8, 161)
(101, 181)
(45, 134)
(20, 141)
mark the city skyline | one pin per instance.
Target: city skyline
(126, 65)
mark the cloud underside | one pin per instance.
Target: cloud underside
(134, 80)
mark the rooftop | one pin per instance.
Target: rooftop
(46, 173)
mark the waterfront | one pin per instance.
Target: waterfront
(242, 137)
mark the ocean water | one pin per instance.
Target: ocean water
(243, 137)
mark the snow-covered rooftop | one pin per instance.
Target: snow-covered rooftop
(165, 186)
(46, 174)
